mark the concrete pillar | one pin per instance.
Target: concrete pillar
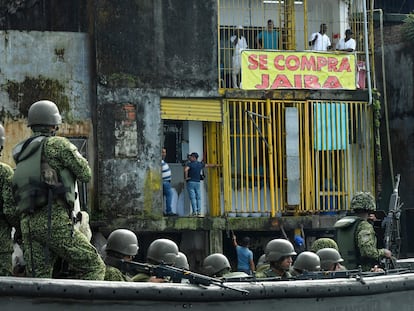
(216, 241)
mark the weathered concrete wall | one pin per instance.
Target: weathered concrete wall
(129, 131)
(145, 50)
(399, 72)
(158, 44)
(44, 65)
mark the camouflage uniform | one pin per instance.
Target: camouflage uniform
(323, 243)
(270, 273)
(6, 219)
(65, 241)
(366, 243)
(114, 274)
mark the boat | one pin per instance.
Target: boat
(367, 291)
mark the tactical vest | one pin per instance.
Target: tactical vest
(345, 237)
(34, 178)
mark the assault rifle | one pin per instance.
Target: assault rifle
(391, 224)
(318, 275)
(175, 274)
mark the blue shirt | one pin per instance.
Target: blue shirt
(194, 171)
(244, 255)
(269, 39)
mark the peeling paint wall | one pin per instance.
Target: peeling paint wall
(164, 45)
(45, 65)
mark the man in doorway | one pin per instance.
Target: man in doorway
(192, 177)
(166, 184)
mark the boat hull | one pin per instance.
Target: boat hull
(385, 292)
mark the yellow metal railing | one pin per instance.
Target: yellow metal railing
(295, 157)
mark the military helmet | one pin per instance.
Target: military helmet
(43, 112)
(215, 263)
(122, 241)
(2, 136)
(363, 201)
(261, 261)
(163, 251)
(278, 248)
(328, 257)
(307, 261)
(323, 243)
(181, 261)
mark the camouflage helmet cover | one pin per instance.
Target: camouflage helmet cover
(2, 136)
(215, 263)
(328, 257)
(307, 261)
(363, 201)
(43, 112)
(123, 241)
(323, 243)
(163, 251)
(278, 248)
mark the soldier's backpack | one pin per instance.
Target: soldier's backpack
(345, 237)
(34, 180)
(28, 189)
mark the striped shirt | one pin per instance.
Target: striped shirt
(165, 171)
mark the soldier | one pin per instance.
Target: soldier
(262, 264)
(160, 251)
(122, 245)
(330, 259)
(7, 217)
(323, 243)
(218, 266)
(182, 261)
(356, 236)
(44, 191)
(306, 262)
(279, 254)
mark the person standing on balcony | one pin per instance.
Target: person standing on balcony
(238, 41)
(319, 41)
(192, 176)
(166, 184)
(268, 39)
(346, 44)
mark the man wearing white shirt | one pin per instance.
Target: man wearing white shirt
(319, 41)
(239, 43)
(346, 44)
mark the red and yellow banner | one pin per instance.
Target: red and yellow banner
(263, 70)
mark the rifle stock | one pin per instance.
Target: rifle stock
(176, 274)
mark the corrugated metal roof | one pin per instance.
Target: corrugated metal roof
(191, 109)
